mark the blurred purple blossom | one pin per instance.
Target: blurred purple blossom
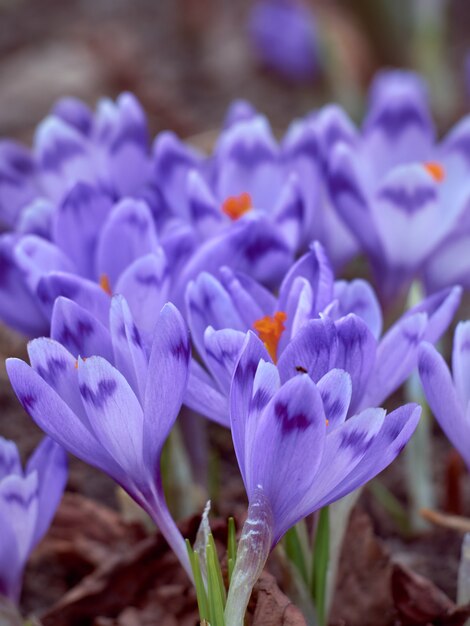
(448, 395)
(28, 502)
(284, 38)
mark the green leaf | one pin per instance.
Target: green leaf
(320, 564)
(295, 552)
(231, 547)
(215, 586)
(201, 595)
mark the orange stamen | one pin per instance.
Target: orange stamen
(327, 422)
(76, 362)
(105, 284)
(270, 329)
(236, 206)
(436, 170)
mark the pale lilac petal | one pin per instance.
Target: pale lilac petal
(166, 382)
(358, 297)
(49, 461)
(202, 396)
(130, 356)
(145, 285)
(222, 351)
(114, 413)
(461, 362)
(36, 257)
(313, 350)
(443, 399)
(289, 212)
(19, 502)
(77, 224)
(251, 299)
(128, 234)
(10, 462)
(287, 449)
(86, 293)
(57, 420)
(79, 331)
(335, 388)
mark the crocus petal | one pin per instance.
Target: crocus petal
(49, 461)
(57, 367)
(17, 187)
(313, 350)
(241, 392)
(204, 212)
(222, 350)
(166, 381)
(19, 501)
(89, 295)
(130, 357)
(355, 354)
(77, 223)
(335, 388)
(79, 331)
(347, 445)
(316, 269)
(440, 309)
(461, 362)
(287, 448)
(11, 567)
(209, 304)
(114, 413)
(18, 306)
(145, 285)
(36, 256)
(9, 458)
(251, 299)
(37, 218)
(395, 359)
(397, 429)
(358, 297)
(289, 211)
(443, 399)
(75, 113)
(56, 419)
(128, 234)
(202, 396)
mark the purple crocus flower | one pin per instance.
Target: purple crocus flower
(249, 174)
(284, 38)
(314, 325)
(297, 452)
(28, 502)
(401, 196)
(448, 395)
(108, 149)
(116, 418)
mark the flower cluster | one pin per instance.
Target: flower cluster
(152, 278)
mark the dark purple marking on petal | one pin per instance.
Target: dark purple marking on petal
(341, 184)
(53, 368)
(6, 265)
(130, 133)
(201, 209)
(28, 400)
(409, 201)
(245, 373)
(182, 349)
(297, 421)
(332, 406)
(60, 151)
(104, 391)
(74, 336)
(306, 145)
(358, 440)
(294, 209)
(260, 399)
(395, 121)
(15, 497)
(150, 279)
(261, 246)
(250, 155)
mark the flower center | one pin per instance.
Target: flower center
(105, 284)
(236, 206)
(270, 329)
(436, 170)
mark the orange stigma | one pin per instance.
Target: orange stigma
(270, 329)
(105, 284)
(436, 170)
(236, 206)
